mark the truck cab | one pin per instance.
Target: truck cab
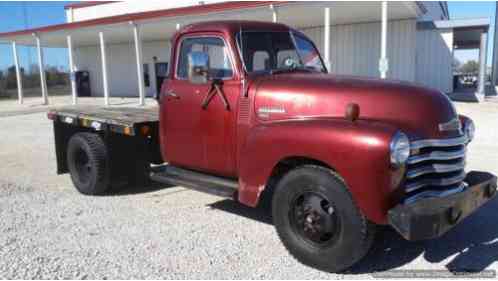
(249, 111)
(201, 112)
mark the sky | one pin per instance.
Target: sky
(22, 15)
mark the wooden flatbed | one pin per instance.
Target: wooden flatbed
(121, 120)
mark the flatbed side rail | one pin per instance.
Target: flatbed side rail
(96, 123)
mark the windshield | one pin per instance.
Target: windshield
(273, 52)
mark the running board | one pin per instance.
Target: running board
(195, 180)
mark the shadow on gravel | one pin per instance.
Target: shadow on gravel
(130, 189)
(473, 243)
(259, 214)
(472, 246)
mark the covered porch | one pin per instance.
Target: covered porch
(471, 35)
(127, 55)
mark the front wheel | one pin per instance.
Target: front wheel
(318, 221)
(87, 160)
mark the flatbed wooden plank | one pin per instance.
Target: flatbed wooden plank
(121, 116)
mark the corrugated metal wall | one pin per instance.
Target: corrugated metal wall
(355, 48)
(434, 59)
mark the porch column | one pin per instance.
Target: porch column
(72, 69)
(274, 13)
(383, 61)
(326, 38)
(104, 68)
(18, 73)
(43, 81)
(482, 66)
(494, 66)
(140, 67)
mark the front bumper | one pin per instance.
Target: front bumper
(432, 217)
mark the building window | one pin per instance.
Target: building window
(146, 75)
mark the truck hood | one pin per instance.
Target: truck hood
(415, 110)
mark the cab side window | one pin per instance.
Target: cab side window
(220, 66)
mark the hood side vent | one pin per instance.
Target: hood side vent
(244, 110)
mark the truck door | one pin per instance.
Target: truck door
(201, 118)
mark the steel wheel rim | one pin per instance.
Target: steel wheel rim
(82, 165)
(314, 218)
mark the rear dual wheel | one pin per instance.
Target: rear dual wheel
(87, 159)
(318, 221)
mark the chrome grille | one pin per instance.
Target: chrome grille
(435, 168)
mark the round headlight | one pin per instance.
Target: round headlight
(469, 129)
(400, 149)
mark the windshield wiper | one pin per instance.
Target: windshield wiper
(290, 70)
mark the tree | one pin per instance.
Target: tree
(470, 67)
(11, 77)
(456, 63)
(55, 76)
(2, 84)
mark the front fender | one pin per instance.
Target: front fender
(358, 151)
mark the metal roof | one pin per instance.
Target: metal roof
(85, 4)
(162, 24)
(463, 23)
(175, 12)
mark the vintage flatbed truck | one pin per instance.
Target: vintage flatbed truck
(249, 112)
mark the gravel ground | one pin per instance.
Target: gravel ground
(48, 230)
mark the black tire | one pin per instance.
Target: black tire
(87, 160)
(331, 239)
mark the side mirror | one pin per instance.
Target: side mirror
(198, 67)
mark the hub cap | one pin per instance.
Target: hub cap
(314, 218)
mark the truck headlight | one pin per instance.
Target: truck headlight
(469, 129)
(400, 149)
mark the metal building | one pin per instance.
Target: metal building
(125, 46)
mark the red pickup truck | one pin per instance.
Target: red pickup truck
(249, 112)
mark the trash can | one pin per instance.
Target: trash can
(82, 79)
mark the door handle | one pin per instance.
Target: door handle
(172, 95)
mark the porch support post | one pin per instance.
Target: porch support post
(72, 69)
(482, 66)
(18, 73)
(274, 13)
(43, 81)
(326, 38)
(140, 67)
(104, 68)
(383, 61)
(494, 66)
